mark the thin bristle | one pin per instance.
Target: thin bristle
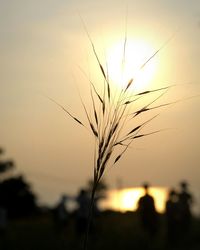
(94, 109)
(142, 135)
(145, 108)
(66, 111)
(129, 84)
(154, 90)
(94, 130)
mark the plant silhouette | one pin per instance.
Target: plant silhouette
(112, 117)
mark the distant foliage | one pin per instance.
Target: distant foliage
(16, 197)
(100, 190)
(6, 164)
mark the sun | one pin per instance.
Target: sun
(124, 63)
(127, 198)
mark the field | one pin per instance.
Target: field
(112, 231)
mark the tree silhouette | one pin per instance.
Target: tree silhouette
(16, 195)
(100, 190)
(5, 165)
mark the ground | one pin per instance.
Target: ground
(112, 231)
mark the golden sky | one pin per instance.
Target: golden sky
(44, 45)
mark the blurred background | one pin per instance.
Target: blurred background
(45, 51)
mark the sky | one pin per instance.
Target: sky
(44, 50)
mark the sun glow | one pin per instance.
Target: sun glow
(127, 199)
(125, 60)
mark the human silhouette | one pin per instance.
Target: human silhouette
(61, 215)
(172, 218)
(185, 201)
(147, 212)
(83, 201)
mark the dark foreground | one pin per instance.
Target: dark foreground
(113, 231)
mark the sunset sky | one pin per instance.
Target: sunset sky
(44, 51)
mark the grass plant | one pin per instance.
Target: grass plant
(112, 118)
